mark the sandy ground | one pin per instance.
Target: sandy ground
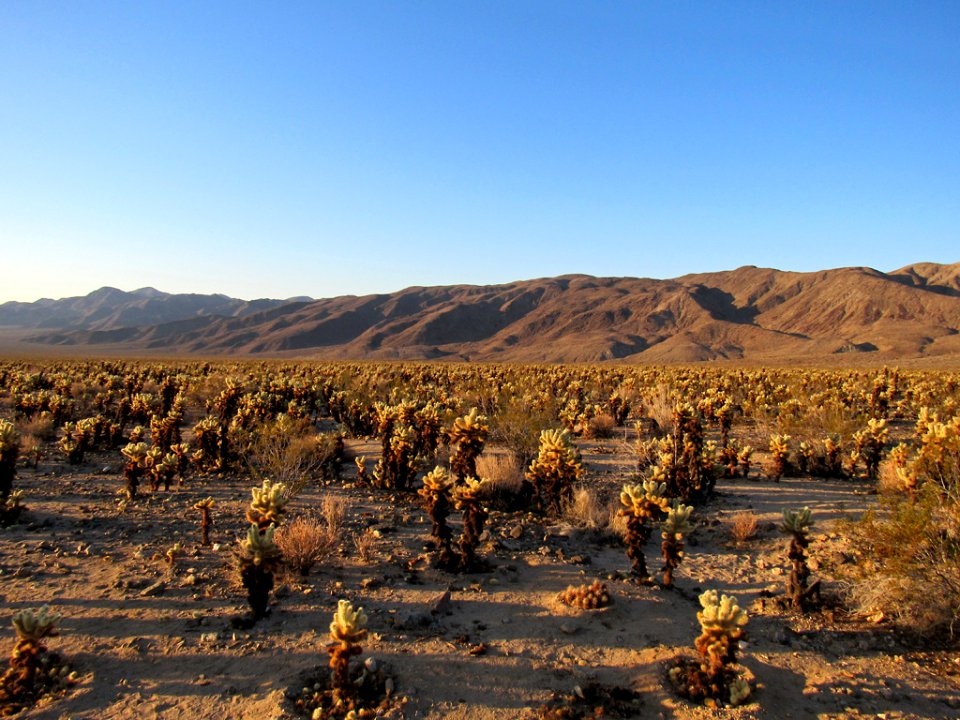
(500, 645)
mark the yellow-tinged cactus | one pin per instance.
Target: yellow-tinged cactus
(136, 453)
(32, 626)
(644, 499)
(267, 504)
(258, 546)
(721, 625)
(802, 594)
(467, 437)
(555, 469)
(349, 625)
(677, 522)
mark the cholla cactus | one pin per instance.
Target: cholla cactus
(467, 437)
(466, 498)
(347, 630)
(11, 508)
(833, 454)
(9, 449)
(205, 506)
(780, 456)
(361, 463)
(714, 680)
(744, 457)
(675, 527)
(258, 558)
(796, 523)
(437, 485)
(586, 597)
(137, 465)
(554, 470)
(33, 670)
(640, 503)
(267, 505)
(805, 457)
(869, 444)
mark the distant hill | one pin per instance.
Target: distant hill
(750, 314)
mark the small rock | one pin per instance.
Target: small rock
(440, 604)
(516, 532)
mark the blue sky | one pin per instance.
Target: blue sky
(325, 148)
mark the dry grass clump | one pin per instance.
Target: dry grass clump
(503, 476)
(39, 426)
(601, 426)
(304, 543)
(586, 510)
(743, 526)
(365, 543)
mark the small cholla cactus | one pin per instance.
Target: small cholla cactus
(361, 463)
(466, 498)
(137, 465)
(437, 486)
(467, 437)
(259, 556)
(640, 503)
(11, 508)
(833, 457)
(675, 527)
(805, 457)
(586, 597)
(554, 470)
(780, 456)
(713, 680)
(347, 630)
(797, 523)
(9, 449)
(205, 506)
(266, 507)
(869, 445)
(744, 456)
(33, 670)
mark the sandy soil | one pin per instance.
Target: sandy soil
(151, 642)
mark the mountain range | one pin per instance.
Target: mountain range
(748, 314)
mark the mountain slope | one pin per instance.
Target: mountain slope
(749, 313)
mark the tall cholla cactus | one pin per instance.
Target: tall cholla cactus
(780, 456)
(868, 445)
(267, 505)
(205, 506)
(348, 628)
(554, 470)
(466, 498)
(713, 680)
(137, 465)
(259, 556)
(675, 527)
(467, 437)
(9, 450)
(640, 503)
(33, 670)
(797, 523)
(437, 485)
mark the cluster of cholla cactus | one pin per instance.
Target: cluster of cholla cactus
(802, 595)
(586, 597)
(437, 486)
(735, 459)
(780, 456)
(683, 460)
(466, 439)
(675, 527)
(554, 471)
(267, 504)
(205, 507)
(9, 450)
(936, 458)
(868, 446)
(397, 466)
(33, 671)
(259, 557)
(348, 628)
(641, 504)
(714, 680)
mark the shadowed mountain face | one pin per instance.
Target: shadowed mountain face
(750, 314)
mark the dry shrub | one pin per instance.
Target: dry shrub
(517, 427)
(887, 481)
(333, 510)
(305, 542)
(659, 407)
(39, 426)
(743, 526)
(366, 545)
(601, 426)
(288, 451)
(504, 476)
(585, 510)
(31, 449)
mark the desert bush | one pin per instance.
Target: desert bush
(585, 510)
(600, 426)
(517, 427)
(288, 451)
(743, 526)
(304, 543)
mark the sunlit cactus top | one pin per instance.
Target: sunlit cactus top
(677, 522)
(796, 521)
(8, 436)
(644, 499)
(349, 625)
(721, 614)
(32, 626)
(259, 546)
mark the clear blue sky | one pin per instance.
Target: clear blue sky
(267, 149)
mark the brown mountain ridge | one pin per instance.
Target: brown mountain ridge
(749, 314)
